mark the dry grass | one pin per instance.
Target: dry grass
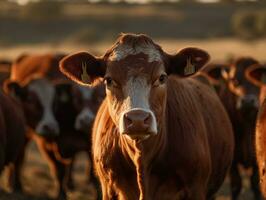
(39, 184)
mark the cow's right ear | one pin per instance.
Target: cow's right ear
(256, 74)
(12, 88)
(83, 68)
(216, 72)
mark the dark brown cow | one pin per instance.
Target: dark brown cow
(240, 99)
(12, 139)
(4, 69)
(52, 105)
(156, 135)
(256, 74)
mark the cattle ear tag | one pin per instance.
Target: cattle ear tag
(84, 76)
(190, 68)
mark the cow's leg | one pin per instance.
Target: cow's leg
(14, 172)
(70, 183)
(61, 179)
(236, 182)
(57, 168)
(255, 183)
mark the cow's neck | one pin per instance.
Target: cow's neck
(142, 154)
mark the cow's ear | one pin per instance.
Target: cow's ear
(187, 61)
(216, 72)
(256, 74)
(20, 58)
(82, 68)
(13, 89)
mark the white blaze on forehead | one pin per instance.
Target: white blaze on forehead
(86, 115)
(45, 92)
(137, 97)
(123, 50)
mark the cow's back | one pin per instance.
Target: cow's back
(36, 66)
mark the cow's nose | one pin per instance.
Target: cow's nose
(85, 122)
(250, 101)
(137, 121)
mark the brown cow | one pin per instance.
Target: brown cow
(240, 99)
(156, 135)
(12, 139)
(51, 105)
(256, 74)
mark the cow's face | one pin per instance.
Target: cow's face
(37, 101)
(135, 74)
(136, 91)
(256, 74)
(86, 101)
(247, 94)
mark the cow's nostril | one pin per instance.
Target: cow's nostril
(127, 120)
(148, 121)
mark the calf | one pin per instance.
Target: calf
(157, 134)
(12, 139)
(256, 75)
(240, 99)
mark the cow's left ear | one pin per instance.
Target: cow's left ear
(256, 74)
(82, 68)
(187, 61)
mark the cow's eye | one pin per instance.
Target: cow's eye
(160, 81)
(108, 81)
(162, 78)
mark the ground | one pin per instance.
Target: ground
(39, 184)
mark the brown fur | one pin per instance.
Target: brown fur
(28, 67)
(190, 154)
(12, 139)
(254, 75)
(194, 146)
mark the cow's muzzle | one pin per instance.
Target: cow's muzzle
(138, 124)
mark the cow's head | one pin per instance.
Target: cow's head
(256, 74)
(246, 93)
(37, 100)
(215, 72)
(135, 72)
(86, 101)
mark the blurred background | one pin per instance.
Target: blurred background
(225, 28)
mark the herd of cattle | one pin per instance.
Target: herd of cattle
(156, 126)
